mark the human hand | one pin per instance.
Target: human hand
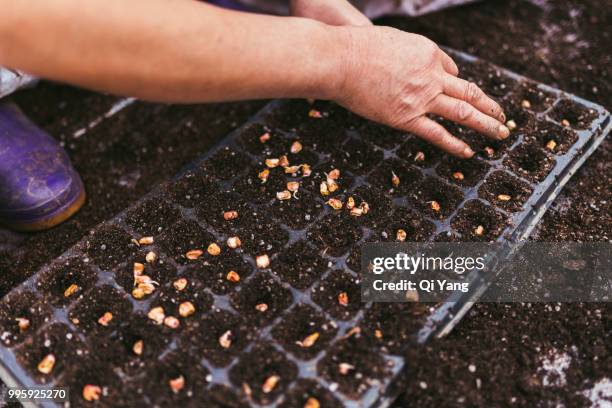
(332, 12)
(397, 78)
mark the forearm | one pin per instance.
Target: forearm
(175, 51)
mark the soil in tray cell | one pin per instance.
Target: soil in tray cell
(261, 299)
(21, 314)
(192, 189)
(353, 260)
(185, 304)
(353, 365)
(320, 174)
(553, 138)
(569, 114)
(226, 164)
(466, 173)
(224, 210)
(335, 233)
(519, 119)
(263, 373)
(304, 332)
(436, 198)
(221, 274)
(419, 153)
(253, 188)
(537, 100)
(357, 156)
(478, 222)
(382, 136)
(160, 271)
(407, 225)
(300, 265)
(185, 236)
(505, 191)
(219, 337)
(339, 294)
(47, 355)
(109, 245)
(299, 212)
(151, 217)
(530, 161)
(490, 79)
(100, 310)
(380, 206)
(309, 393)
(395, 177)
(259, 234)
(258, 139)
(66, 280)
(288, 116)
(221, 396)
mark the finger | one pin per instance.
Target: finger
(472, 94)
(449, 65)
(435, 134)
(465, 114)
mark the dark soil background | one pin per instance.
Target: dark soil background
(563, 43)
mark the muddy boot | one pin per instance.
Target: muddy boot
(39, 188)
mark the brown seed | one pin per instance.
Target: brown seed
(312, 403)
(234, 242)
(23, 323)
(262, 261)
(323, 189)
(551, 145)
(296, 147)
(350, 203)
(246, 388)
(214, 249)
(504, 197)
(105, 319)
(356, 212)
(334, 174)
(400, 235)
(435, 206)
(180, 284)
(157, 314)
(144, 279)
(75, 321)
(146, 240)
(261, 307)
(293, 186)
(378, 334)
(343, 298)
(292, 169)
(171, 322)
(419, 156)
(233, 277)
(138, 268)
(335, 203)
(186, 309)
(46, 364)
(479, 230)
(194, 254)
(458, 175)
(511, 125)
(526, 104)
(263, 175)
(283, 195)
(71, 290)
(147, 287)
(395, 180)
(270, 384)
(313, 113)
(412, 296)
(365, 207)
(265, 137)
(353, 331)
(489, 151)
(151, 257)
(225, 340)
(230, 215)
(91, 392)
(272, 163)
(177, 384)
(283, 161)
(565, 123)
(344, 368)
(138, 293)
(138, 347)
(332, 186)
(309, 341)
(306, 170)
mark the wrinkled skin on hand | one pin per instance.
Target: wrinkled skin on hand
(332, 12)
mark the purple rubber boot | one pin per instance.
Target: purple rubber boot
(39, 188)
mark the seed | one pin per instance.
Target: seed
(350, 203)
(171, 322)
(565, 123)
(489, 151)
(435, 206)
(262, 261)
(283, 195)
(75, 321)
(234, 242)
(504, 197)
(309, 341)
(272, 163)
(401, 235)
(180, 284)
(147, 288)
(511, 124)
(313, 113)
(292, 169)
(296, 147)
(353, 331)
(263, 175)
(151, 257)
(146, 241)
(357, 212)
(334, 174)
(412, 296)
(293, 186)
(23, 323)
(283, 161)
(479, 230)
(526, 104)
(91, 392)
(312, 403)
(177, 384)
(225, 341)
(270, 383)
(157, 314)
(105, 319)
(186, 309)
(265, 137)
(343, 298)
(232, 276)
(230, 215)
(344, 368)
(138, 268)
(138, 293)
(214, 249)
(306, 170)
(365, 207)
(378, 334)
(138, 347)
(247, 389)
(332, 185)
(71, 290)
(323, 188)
(551, 145)
(194, 254)
(46, 364)
(335, 203)
(419, 156)
(261, 307)
(395, 180)
(458, 175)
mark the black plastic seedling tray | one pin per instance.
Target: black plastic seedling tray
(298, 330)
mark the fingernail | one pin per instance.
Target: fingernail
(467, 152)
(504, 132)
(503, 117)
